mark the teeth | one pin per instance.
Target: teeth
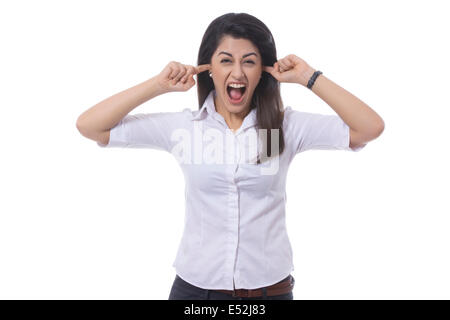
(234, 85)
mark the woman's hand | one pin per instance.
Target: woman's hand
(179, 77)
(291, 69)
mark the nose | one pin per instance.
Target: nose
(237, 72)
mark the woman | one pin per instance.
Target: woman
(235, 244)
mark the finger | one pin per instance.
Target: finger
(288, 64)
(190, 72)
(174, 72)
(289, 61)
(279, 67)
(283, 65)
(183, 80)
(268, 69)
(180, 74)
(187, 84)
(273, 70)
(292, 59)
(202, 68)
(276, 68)
(191, 81)
(174, 80)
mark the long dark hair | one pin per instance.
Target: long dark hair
(266, 97)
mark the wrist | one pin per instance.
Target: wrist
(305, 76)
(156, 86)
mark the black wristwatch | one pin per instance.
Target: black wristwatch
(313, 79)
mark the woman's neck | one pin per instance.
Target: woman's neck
(233, 120)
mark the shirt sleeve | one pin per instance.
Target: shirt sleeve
(309, 131)
(146, 130)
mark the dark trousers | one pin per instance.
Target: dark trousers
(182, 290)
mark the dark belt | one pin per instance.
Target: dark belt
(282, 287)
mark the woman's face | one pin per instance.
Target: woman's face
(235, 60)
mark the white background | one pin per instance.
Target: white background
(81, 222)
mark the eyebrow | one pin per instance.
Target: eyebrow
(245, 55)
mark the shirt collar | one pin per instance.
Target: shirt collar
(209, 109)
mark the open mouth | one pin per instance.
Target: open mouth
(236, 95)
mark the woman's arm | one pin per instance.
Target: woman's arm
(96, 122)
(365, 124)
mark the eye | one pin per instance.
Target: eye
(224, 60)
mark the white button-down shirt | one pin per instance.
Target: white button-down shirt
(235, 234)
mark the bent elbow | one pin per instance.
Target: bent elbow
(81, 126)
(379, 128)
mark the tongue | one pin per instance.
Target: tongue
(235, 94)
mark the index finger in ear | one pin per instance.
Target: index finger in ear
(268, 69)
(202, 68)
